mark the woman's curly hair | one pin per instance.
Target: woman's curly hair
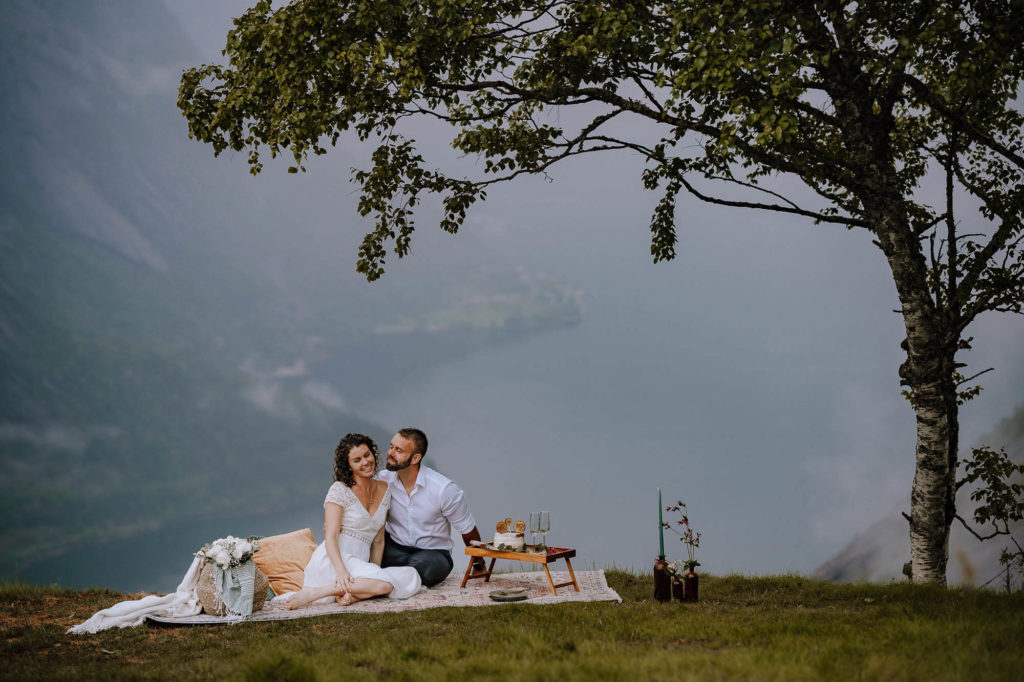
(342, 469)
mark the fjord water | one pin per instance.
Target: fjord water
(754, 378)
(722, 392)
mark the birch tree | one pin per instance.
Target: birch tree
(863, 103)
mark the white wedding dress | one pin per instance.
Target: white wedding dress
(358, 529)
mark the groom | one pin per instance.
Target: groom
(425, 506)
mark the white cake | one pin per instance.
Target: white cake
(514, 540)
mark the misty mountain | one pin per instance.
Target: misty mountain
(161, 311)
(878, 553)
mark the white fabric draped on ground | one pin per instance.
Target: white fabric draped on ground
(181, 603)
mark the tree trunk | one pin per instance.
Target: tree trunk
(931, 341)
(932, 505)
(928, 372)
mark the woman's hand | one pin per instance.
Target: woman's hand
(343, 580)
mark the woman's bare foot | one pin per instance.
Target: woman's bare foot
(306, 595)
(293, 601)
(347, 599)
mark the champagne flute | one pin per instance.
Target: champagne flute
(534, 526)
(544, 526)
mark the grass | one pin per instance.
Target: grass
(764, 628)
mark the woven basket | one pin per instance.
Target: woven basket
(207, 591)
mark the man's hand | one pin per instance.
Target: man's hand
(470, 536)
(479, 565)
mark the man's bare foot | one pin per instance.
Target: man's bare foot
(346, 599)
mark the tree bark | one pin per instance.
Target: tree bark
(932, 506)
(928, 372)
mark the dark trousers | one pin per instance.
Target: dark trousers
(433, 565)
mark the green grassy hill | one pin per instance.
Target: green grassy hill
(767, 628)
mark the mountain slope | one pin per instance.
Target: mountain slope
(163, 318)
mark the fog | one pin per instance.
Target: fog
(753, 377)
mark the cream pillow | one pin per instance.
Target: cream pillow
(283, 559)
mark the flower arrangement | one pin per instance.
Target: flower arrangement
(675, 569)
(688, 536)
(229, 552)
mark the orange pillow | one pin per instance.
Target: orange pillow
(283, 559)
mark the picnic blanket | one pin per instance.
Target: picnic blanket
(593, 587)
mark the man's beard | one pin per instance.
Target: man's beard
(398, 466)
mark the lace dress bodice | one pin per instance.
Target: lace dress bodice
(358, 527)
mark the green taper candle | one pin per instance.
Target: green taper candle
(661, 528)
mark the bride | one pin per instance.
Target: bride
(354, 514)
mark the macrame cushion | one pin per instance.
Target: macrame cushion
(283, 559)
(207, 591)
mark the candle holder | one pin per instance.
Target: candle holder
(691, 582)
(662, 580)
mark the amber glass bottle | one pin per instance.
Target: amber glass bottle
(662, 581)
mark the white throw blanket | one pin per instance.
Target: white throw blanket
(183, 602)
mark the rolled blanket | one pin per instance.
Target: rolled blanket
(182, 602)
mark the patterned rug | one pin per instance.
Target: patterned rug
(593, 587)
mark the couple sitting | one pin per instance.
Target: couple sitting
(358, 558)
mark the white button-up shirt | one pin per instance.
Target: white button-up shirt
(425, 518)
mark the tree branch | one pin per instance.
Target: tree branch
(924, 227)
(978, 265)
(751, 186)
(557, 95)
(997, 575)
(839, 220)
(925, 94)
(972, 378)
(953, 299)
(975, 533)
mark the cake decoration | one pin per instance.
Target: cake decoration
(509, 535)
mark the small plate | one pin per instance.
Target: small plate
(511, 594)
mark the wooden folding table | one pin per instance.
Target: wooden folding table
(554, 554)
